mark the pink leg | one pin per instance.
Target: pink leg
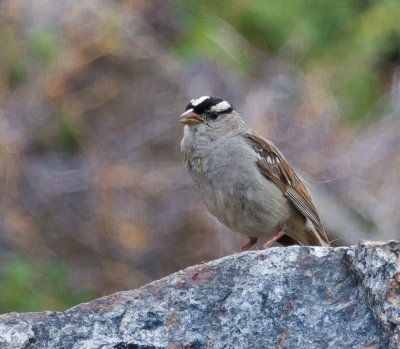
(250, 244)
(274, 237)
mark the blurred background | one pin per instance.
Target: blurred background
(94, 198)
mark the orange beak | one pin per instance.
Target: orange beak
(190, 118)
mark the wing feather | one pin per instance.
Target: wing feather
(274, 166)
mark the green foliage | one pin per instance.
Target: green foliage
(67, 135)
(215, 41)
(45, 46)
(34, 287)
(352, 41)
(358, 93)
(15, 71)
(12, 58)
(60, 134)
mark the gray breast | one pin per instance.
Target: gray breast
(234, 190)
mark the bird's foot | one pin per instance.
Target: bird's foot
(249, 245)
(273, 239)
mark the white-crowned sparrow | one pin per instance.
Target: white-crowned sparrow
(244, 179)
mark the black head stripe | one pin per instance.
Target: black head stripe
(205, 106)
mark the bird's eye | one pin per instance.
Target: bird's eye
(213, 115)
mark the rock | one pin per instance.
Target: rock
(294, 297)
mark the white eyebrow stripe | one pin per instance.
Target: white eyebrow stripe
(221, 106)
(197, 101)
(187, 112)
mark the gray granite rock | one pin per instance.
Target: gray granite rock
(295, 297)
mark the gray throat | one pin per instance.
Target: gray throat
(198, 142)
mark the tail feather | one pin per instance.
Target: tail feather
(308, 237)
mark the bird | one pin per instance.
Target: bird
(244, 180)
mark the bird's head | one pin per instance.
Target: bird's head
(212, 116)
(205, 109)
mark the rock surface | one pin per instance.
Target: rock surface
(295, 297)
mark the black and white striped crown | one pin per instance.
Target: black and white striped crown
(209, 104)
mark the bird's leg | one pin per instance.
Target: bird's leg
(274, 237)
(249, 245)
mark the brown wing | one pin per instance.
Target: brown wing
(274, 166)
